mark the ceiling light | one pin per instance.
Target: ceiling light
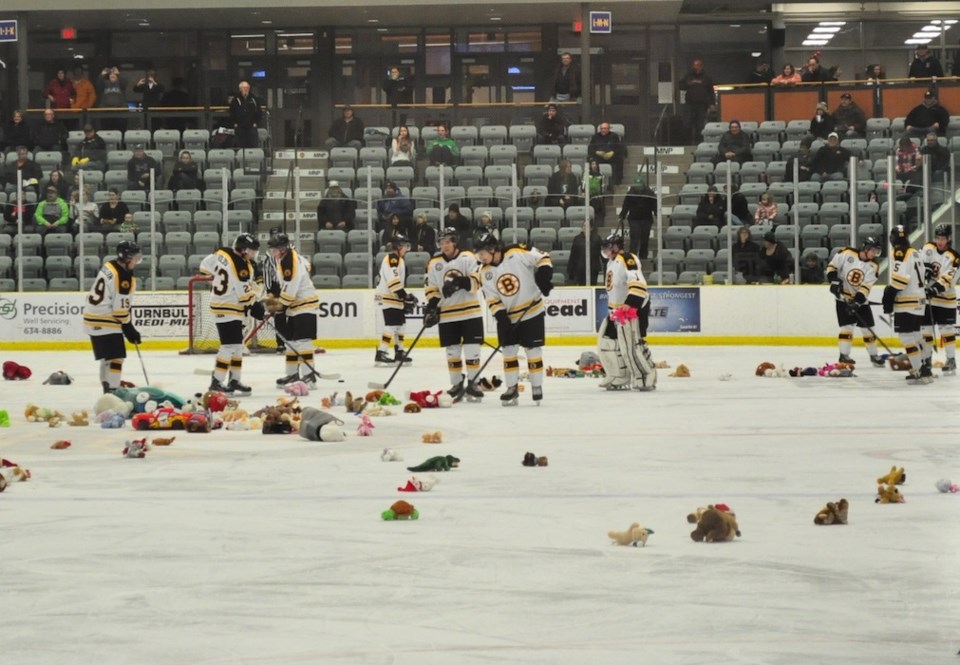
(381, 29)
(755, 54)
(815, 42)
(826, 30)
(930, 28)
(373, 20)
(832, 23)
(267, 22)
(923, 35)
(734, 25)
(950, 21)
(496, 18)
(916, 41)
(144, 24)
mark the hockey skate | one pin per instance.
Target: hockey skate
(216, 386)
(456, 391)
(106, 388)
(616, 383)
(509, 398)
(473, 392)
(844, 358)
(237, 388)
(950, 367)
(287, 380)
(876, 361)
(915, 378)
(382, 359)
(537, 394)
(402, 357)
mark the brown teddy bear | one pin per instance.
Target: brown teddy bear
(682, 371)
(894, 477)
(432, 437)
(715, 524)
(79, 419)
(833, 513)
(888, 494)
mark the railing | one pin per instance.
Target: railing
(495, 113)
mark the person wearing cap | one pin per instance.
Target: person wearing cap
(852, 273)
(486, 224)
(245, 117)
(91, 152)
(346, 131)
(924, 64)
(443, 149)
(551, 127)
(927, 116)
(831, 161)
(52, 214)
(394, 302)
(138, 170)
(850, 120)
(822, 122)
(336, 211)
(734, 145)
(297, 298)
(394, 203)
(776, 261)
(908, 171)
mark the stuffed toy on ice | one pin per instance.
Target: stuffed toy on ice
(833, 513)
(113, 404)
(635, 535)
(400, 510)
(13, 371)
(318, 425)
(36, 414)
(432, 437)
(11, 472)
(135, 449)
(715, 524)
(438, 463)
(134, 397)
(79, 419)
(423, 484)
(889, 494)
(391, 455)
(366, 426)
(896, 476)
(297, 389)
(945, 486)
(59, 378)
(529, 459)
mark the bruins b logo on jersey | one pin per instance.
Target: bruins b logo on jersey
(508, 285)
(855, 277)
(609, 280)
(451, 274)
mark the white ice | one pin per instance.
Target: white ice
(239, 548)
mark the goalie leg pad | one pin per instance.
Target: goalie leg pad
(640, 364)
(614, 366)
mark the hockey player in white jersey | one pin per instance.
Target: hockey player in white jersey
(394, 302)
(514, 281)
(852, 273)
(232, 295)
(941, 262)
(904, 299)
(299, 302)
(452, 289)
(106, 313)
(623, 349)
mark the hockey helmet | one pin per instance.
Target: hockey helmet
(246, 241)
(398, 240)
(449, 233)
(278, 241)
(487, 242)
(943, 230)
(127, 249)
(615, 238)
(870, 242)
(899, 238)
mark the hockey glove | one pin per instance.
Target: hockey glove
(543, 277)
(409, 304)
(836, 288)
(933, 290)
(889, 295)
(131, 333)
(927, 272)
(504, 327)
(431, 313)
(860, 300)
(635, 301)
(454, 284)
(257, 311)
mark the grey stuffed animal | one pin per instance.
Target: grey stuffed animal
(318, 425)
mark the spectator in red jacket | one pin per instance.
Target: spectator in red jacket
(60, 92)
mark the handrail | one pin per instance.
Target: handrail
(446, 105)
(812, 84)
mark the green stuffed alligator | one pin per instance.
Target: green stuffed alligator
(438, 463)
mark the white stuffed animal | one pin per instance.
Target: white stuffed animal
(391, 455)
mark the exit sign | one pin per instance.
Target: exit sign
(8, 31)
(601, 23)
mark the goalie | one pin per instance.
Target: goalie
(624, 352)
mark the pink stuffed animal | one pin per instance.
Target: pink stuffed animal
(297, 389)
(365, 428)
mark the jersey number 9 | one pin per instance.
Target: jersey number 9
(99, 291)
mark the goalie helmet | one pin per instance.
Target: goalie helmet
(449, 233)
(278, 241)
(487, 242)
(246, 241)
(127, 249)
(943, 230)
(870, 242)
(899, 238)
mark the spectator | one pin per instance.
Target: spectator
(699, 97)
(111, 93)
(639, 205)
(563, 188)
(150, 89)
(31, 172)
(51, 134)
(246, 117)
(59, 92)
(551, 127)
(811, 272)
(86, 92)
(486, 225)
(114, 213)
(712, 209)
(57, 180)
(395, 226)
(761, 74)
(928, 116)
(91, 152)
(346, 131)
(403, 152)
(875, 73)
(822, 122)
(908, 165)
(399, 89)
(186, 174)
(10, 212)
(746, 255)
(606, 148)
(85, 218)
(850, 120)
(597, 188)
(17, 132)
(424, 237)
(803, 161)
(176, 97)
(788, 76)
(577, 265)
(443, 149)
(739, 207)
(456, 220)
(566, 80)
(336, 211)
(394, 203)
(138, 170)
(814, 73)
(924, 64)
(734, 145)
(776, 261)
(766, 211)
(939, 155)
(831, 160)
(52, 214)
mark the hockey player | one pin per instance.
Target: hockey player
(232, 295)
(451, 287)
(904, 299)
(514, 279)
(299, 301)
(852, 273)
(394, 301)
(623, 350)
(941, 262)
(106, 313)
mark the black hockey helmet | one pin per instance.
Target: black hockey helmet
(615, 238)
(899, 238)
(246, 241)
(278, 241)
(399, 240)
(487, 242)
(449, 233)
(869, 242)
(943, 230)
(127, 249)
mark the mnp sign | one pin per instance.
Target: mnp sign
(601, 23)
(8, 31)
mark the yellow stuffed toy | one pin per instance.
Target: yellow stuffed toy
(635, 535)
(888, 494)
(833, 513)
(79, 419)
(895, 477)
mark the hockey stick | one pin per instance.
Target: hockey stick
(853, 309)
(313, 371)
(256, 329)
(142, 366)
(373, 385)
(499, 345)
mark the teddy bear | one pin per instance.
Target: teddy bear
(899, 363)
(764, 367)
(354, 404)
(390, 455)
(529, 459)
(715, 524)
(411, 407)
(682, 371)
(112, 403)
(635, 535)
(11, 472)
(400, 510)
(432, 437)
(79, 419)
(833, 513)
(491, 385)
(888, 494)
(374, 395)
(135, 449)
(419, 484)
(236, 420)
(318, 425)
(896, 476)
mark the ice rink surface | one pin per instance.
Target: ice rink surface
(239, 548)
